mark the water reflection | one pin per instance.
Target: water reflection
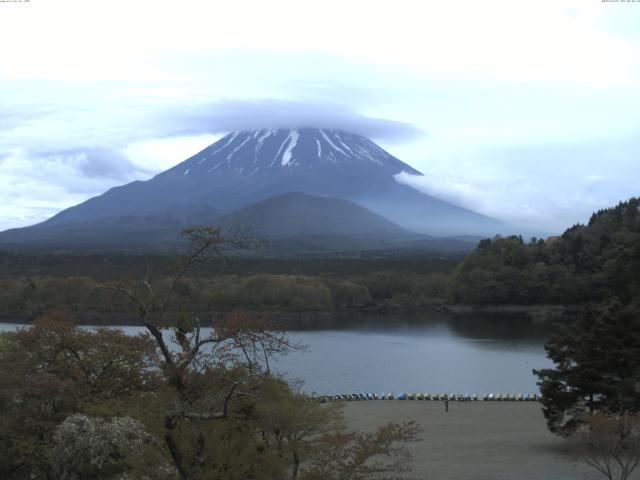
(436, 353)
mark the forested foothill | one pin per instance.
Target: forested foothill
(587, 263)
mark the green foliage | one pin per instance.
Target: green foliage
(124, 267)
(54, 369)
(84, 404)
(597, 367)
(262, 291)
(586, 264)
(387, 284)
(345, 293)
(180, 401)
(286, 291)
(431, 287)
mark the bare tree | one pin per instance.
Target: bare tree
(609, 444)
(346, 455)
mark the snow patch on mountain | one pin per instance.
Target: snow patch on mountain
(227, 141)
(251, 166)
(335, 147)
(308, 151)
(342, 142)
(261, 139)
(237, 148)
(293, 141)
(282, 146)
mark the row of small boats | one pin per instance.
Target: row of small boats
(455, 397)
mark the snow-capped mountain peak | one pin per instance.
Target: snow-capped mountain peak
(264, 151)
(249, 167)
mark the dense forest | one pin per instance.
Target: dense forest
(31, 284)
(588, 263)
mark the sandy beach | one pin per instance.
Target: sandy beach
(475, 440)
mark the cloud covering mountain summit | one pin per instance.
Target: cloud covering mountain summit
(247, 167)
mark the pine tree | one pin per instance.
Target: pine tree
(597, 367)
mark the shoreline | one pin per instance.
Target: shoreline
(538, 314)
(542, 313)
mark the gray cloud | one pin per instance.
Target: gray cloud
(36, 185)
(95, 162)
(133, 120)
(233, 115)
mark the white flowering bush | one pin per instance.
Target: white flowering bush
(94, 447)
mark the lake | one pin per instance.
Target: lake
(431, 353)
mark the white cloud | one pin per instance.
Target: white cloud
(93, 96)
(157, 155)
(497, 40)
(547, 187)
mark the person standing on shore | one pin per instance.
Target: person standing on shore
(446, 404)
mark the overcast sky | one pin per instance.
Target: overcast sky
(528, 111)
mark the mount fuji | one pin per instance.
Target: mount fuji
(247, 167)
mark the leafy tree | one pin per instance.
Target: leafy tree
(195, 403)
(86, 448)
(597, 367)
(223, 414)
(292, 423)
(54, 369)
(204, 371)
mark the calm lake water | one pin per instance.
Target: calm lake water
(434, 353)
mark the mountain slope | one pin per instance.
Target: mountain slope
(291, 224)
(248, 167)
(298, 214)
(121, 233)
